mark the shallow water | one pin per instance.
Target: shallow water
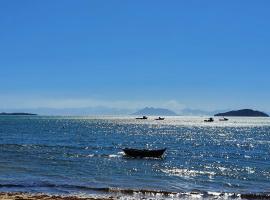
(83, 155)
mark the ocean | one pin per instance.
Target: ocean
(83, 156)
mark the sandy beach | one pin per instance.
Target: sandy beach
(26, 196)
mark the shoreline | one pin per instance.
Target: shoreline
(40, 196)
(192, 195)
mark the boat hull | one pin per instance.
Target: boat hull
(144, 117)
(161, 118)
(144, 153)
(224, 119)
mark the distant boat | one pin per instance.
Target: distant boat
(211, 119)
(224, 119)
(160, 118)
(144, 117)
(144, 153)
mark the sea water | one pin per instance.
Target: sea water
(83, 156)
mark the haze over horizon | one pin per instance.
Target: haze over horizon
(64, 55)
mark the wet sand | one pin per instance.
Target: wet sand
(25, 196)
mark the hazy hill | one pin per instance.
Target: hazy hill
(244, 113)
(17, 113)
(155, 111)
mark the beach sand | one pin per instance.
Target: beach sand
(25, 196)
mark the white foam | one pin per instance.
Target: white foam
(187, 172)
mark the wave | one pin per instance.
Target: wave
(67, 152)
(58, 146)
(187, 172)
(145, 192)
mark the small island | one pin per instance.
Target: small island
(155, 112)
(243, 113)
(4, 113)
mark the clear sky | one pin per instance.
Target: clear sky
(177, 54)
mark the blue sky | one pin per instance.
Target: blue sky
(177, 54)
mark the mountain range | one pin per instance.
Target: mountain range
(155, 112)
(87, 111)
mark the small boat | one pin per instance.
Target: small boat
(160, 118)
(209, 120)
(144, 117)
(224, 119)
(144, 153)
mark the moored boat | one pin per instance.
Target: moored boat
(144, 117)
(211, 119)
(224, 119)
(144, 153)
(160, 118)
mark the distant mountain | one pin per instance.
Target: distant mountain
(195, 112)
(17, 113)
(244, 113)
(155, 111)
(84, 111)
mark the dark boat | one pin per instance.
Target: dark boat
(144, 117)
(209, 120)
(160, 118)
(224, 119)
(144, 153)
